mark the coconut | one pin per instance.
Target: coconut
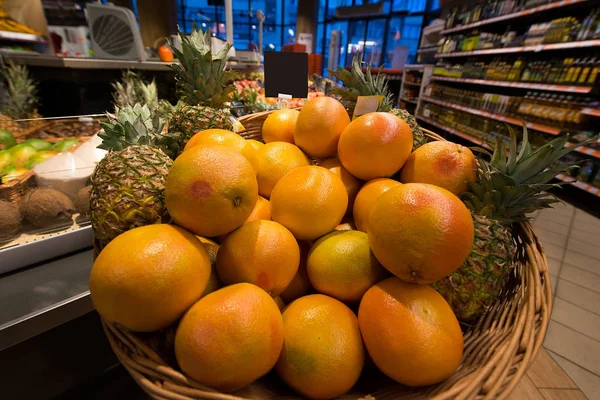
(10, 221)
(82, 201)
(46, 207)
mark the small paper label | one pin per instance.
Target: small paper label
(367, 104)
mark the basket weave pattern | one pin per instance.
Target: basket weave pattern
(497, 352)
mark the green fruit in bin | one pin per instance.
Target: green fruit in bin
(7, 140)
(39, 144)
(22, 153)
(39, 157)
(6, 160)
(65, 145)
(13, 173)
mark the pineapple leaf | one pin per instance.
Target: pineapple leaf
(512, 153)
(525, 146)
(499, 157)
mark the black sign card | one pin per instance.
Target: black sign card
(286, 73)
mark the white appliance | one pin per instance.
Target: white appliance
(114, 32)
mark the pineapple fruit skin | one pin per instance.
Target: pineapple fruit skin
(476, 285)
(419, 138)
(191, 119)
(128, 191)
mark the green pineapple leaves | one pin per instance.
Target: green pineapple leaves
(201, 77)
(20, 101)
(358, 83)
(131, 126)
(132, 89)
(511, 186)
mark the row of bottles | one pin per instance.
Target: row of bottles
(561, 30)
(481, 9)
(566, 71)
(547, 108)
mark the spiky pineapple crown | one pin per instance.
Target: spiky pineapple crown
(201, 77)
(20, 100)
(132, 89)
(131, 126)
(514, 184)
(359, 83)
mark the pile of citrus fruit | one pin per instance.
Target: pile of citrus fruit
(308, 254)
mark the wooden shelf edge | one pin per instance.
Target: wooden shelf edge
(520, 85)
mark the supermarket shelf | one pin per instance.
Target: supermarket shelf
(581, 185)
(591, 111)
(455, 132)
(519, 14)
(523, 49)
(21, 37)
(408, 100)
(414, 67)
(412, 84)
(585, 150)
(520, 85)
(431, 49)
(538, 127)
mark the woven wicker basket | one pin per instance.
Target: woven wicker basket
(498, 349)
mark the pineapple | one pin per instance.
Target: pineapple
(508, 189)
(201, 79)
(358, 83)
(128, 184)
(132, 90)
(19, 101)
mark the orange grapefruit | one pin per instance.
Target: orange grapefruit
(350, 181)
(323, 353)
(366, 197)
(230, 338)
(280, 126)
(444, 164)
(410, 332)
(309, 201)
(210, 190)
(375, 145)
(277, 159)
(319, 126)
(421, 233)
(147, 277)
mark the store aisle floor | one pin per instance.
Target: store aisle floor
(571, 241)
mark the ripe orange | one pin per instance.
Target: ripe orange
(366, 197)
(323, 353)
(300, 285)
(217, 136)
(165, 54)
(341, 265)
(350, 181)
(261, 252)
(280, 126)
(212, 249)
(277, 159)
(375, 145)
(410, 332)
(421, 233)
(230, 338)
(210, 190)
(319, 126)
(444, 164)
(147, 277)
(309, 201)
(280, 303)
(262, 210)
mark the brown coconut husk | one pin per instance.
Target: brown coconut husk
(43, 208)
(82, 201)
(10, 221)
